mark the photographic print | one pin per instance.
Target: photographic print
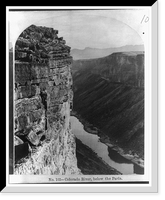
(77, 96)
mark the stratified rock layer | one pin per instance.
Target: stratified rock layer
(109, 93)
(43, 96)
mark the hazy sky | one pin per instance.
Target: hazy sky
(86, 28)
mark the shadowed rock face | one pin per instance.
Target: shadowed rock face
(43, 96)
(90, 163)
(11, 111)
(121, 68)
(109, 93)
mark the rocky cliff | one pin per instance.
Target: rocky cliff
(109, 94)
(122, 68)
(43, 140)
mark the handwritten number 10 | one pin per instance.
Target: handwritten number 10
(145, 19)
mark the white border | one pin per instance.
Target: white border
(108, 187)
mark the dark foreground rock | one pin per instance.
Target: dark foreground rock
(21, 151)
(89, 163)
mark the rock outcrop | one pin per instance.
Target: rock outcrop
(125, 68)
(44, 143)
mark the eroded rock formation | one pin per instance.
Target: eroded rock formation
(111, 89)
(44, 143)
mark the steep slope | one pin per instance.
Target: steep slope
(109, 93)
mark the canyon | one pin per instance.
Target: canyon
(109, 100)
(106, 94)
(44, 143)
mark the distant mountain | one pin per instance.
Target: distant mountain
(89, 53)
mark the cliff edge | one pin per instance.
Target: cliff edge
(43, 140)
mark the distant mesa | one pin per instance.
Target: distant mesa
(90, 53)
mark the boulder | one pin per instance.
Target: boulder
(33, 138)
(17, 141)
(22, 121)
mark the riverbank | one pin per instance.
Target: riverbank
(89, 163)
(123, 151)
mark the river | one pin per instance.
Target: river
(108, 155)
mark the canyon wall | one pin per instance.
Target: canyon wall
(43, 140)
(122, 68)
(109, 94)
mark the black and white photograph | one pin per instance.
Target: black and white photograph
(77, 96)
